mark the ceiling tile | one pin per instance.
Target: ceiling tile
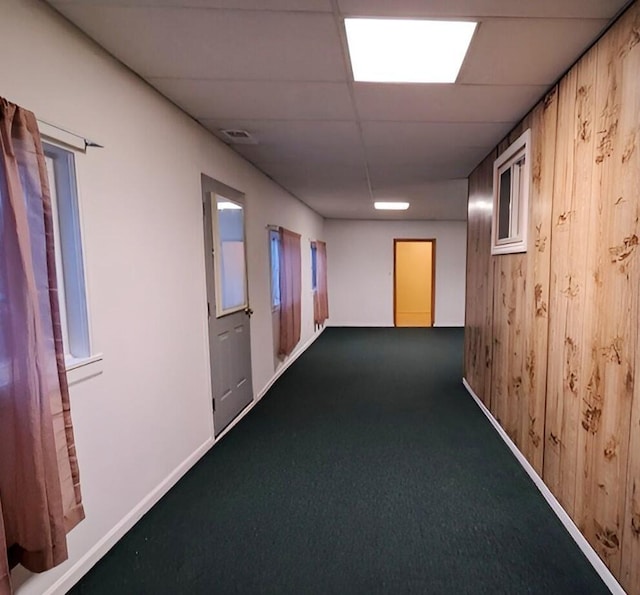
(342, 205)
(312, 177)
(297, 142)
(314, 182)
(526, 51)
(407, 141)
(415, 152)
(429, 201)
(310, 186)
(454, 164)
(296, 5)
(479, 8)
(442, 199)
(445, 103)
(222, 44)
(258, 100)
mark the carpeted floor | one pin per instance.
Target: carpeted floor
(367, 468)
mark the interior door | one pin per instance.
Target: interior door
(228, 301)
(414, 282)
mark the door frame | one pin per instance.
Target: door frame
(216, 188)
(433, 274)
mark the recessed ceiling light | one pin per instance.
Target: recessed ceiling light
(391, 206)
(407, 51)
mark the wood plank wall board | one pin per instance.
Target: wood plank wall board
(630, 125)
(478, 315)
(508, 284)
(585, 200)
(566, 379)
(505, 357)
(521, 297)
(543, 124)
(613, 283)
(473, 327)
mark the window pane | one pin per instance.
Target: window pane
(274, 252)
(231, 259)
(62, 300)
(68, 251)
(314, 267)
(504, 205)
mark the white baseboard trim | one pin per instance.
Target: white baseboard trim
(92, 556)
(89, 559)
(605, 574)
(292, 358)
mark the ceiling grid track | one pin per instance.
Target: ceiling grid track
(339, 22)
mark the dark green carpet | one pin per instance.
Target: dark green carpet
(367, 468)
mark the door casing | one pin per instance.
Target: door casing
(229, 334)
(432, 241)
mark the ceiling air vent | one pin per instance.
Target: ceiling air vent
(238, 137)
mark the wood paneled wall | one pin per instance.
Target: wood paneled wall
(479, 302)
(551, 342)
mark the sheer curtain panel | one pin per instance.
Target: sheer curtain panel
(320, 298)
(40, 499)
(290, 291)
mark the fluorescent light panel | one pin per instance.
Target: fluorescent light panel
(391, 206)
(407, 51)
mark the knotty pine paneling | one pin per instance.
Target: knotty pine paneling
(543, 123)
(561, 322)
(568, 340)
(610, 323)
(521, 297)
(479, 304)
(629, 55)
(620, 195)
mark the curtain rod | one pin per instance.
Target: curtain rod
(52, 131)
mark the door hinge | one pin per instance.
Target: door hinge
(204, 209)
(214, 405)
(209, 309)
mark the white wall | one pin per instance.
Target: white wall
(360, 269)
(147, 417)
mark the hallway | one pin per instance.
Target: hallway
(367, 468)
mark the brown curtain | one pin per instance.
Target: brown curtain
(290, 291)
(40, 498)
(321, 298)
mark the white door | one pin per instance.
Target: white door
(228, 301)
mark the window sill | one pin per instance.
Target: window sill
(79, 369)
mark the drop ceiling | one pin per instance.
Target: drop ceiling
(280, 70)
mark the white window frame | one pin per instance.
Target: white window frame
(217, 255)
(80, 360)
(517, 159)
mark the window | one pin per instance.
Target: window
(274, 255)
(229, 254)
(511, 173)
(314, 266)
(68, 252)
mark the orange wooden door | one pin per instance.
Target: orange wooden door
(413, 280)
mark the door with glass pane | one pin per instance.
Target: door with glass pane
(228, 302)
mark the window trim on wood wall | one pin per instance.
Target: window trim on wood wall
(516, 241)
